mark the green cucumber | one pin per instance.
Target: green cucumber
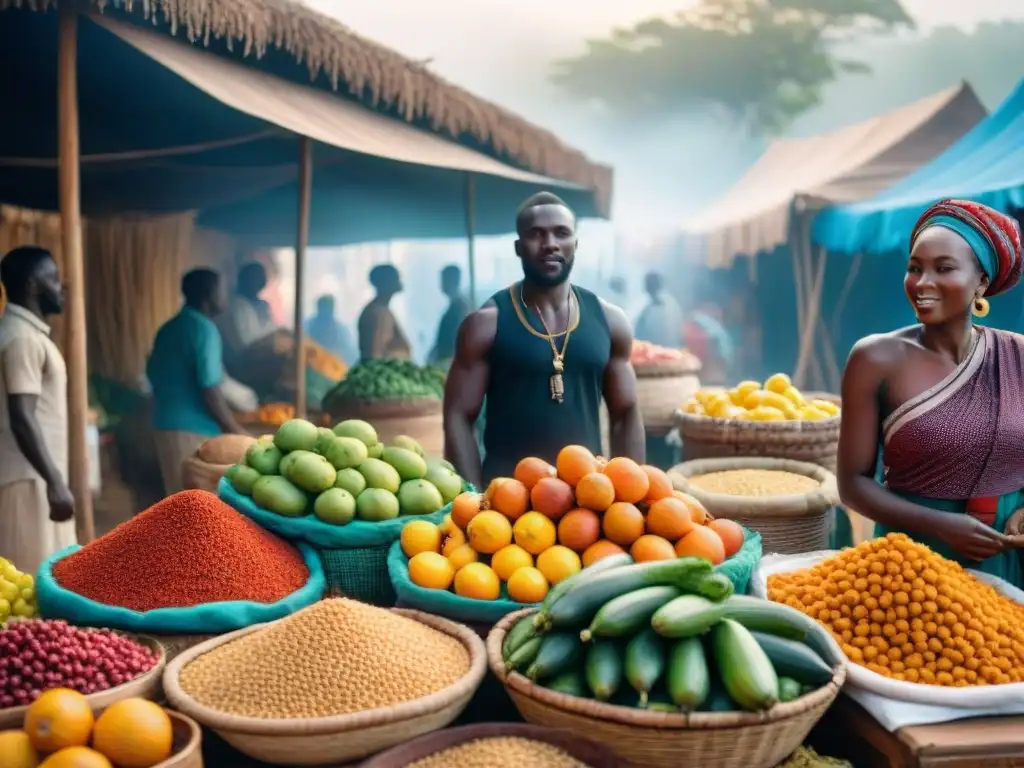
(627, 614)
(520, 632)
(577, 607)
(688, 677)
(522, 657)
(645, 662)
(789, 689)
(794, 659)
(659, 701)
(571, 683)
(773, 618)
(604, 669)
(718, 700)
(558, 651)
(715, 586)
(540, 619)
(746, 672)
(687, 616)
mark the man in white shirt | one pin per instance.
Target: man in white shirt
(661, 321)
(36, 506)
(247, 319)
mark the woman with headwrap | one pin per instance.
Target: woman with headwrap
(932, 438)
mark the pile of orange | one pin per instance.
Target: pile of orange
(60, 731)
(545, 523)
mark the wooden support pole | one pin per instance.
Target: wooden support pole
(74, 271)
(301, 243)
(471, 236)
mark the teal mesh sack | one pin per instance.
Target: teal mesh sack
(55, 602)
(442, 602)
(741, 566)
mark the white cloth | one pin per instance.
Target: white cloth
(242, 325)
(661, 322)
(27, 535)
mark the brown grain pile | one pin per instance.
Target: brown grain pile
(500, 752)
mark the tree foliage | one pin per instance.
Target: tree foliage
(764, 62)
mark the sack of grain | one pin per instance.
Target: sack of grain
(225, 449)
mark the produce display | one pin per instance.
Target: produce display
(343, 474)
(500, 752)
(774, 400)
(224, 449)
(273, 414)
(389, 379)
(40, 654)
(188, 549)
(762, 483)
(17, 593)
(667, 635)
(646, 353)
(335, 657)
(805, 757)
(328, 365)
(60, 726)
(542, 526)
(906, 613)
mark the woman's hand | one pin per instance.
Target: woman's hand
(970, 537)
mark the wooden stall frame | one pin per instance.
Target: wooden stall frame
(301, 244)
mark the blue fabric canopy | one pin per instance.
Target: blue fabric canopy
(986, 165)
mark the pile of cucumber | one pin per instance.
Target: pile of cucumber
(669, 636)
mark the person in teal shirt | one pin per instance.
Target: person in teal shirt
(186, 370)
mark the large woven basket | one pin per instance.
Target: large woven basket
(197, 474)
(643, 738)
(660, 389)
(788, 524)
(340, 738)
(419, 418)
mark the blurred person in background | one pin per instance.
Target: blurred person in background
(661, 321)
(706, 336)
(329, 332)
(248, 318)
(458, 308)
(380, 335)
(185, 370)
(36, 506)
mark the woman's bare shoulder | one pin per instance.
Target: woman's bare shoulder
(884, 348)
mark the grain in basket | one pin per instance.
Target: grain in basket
(761, 483)
(500, 752)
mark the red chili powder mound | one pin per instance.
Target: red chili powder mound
(188, 549)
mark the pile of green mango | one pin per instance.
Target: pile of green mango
(388, 380)
(343, 474)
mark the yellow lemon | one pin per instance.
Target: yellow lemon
(744, 388)
(558, 563)
(827, 406)
(16, 750)
(453, 540)
(778, 383)
(431, 570)
(535, 532)
(420, 536)
(528, 585)
(755, 399)
(477, 581)
(795, 396)
(510, 559)
(489, 531)
(447, 525)
(462, 556)
(766, 413)
(812, 413)
(693, 406)
(716, 404)
(733, 412)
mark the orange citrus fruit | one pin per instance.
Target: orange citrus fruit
(552, 497)
(477, 581)
(660, 486)
(630, 481)
(528, 585)
(731, 533)
(465, 507)
(649, 547)
(623, 523)
(76, 757)
(702, 542)
(575, 461)
(600, 550)
(558, 563)
(669, 518)
(531, 470)
(697, 511)
(534, 532)
(508, 496)
(16, 751)
(454, 539)
(431, 570)
(510, 559)
(59, 718)
(579, 529)
(595, 491)
(489, 531)
(462, 555)
(420, 536)
(134, 733)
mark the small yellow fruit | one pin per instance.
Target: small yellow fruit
(462, 556)
(420, 536)
(16, 750)
(453, 540)
(76, 757)
(717, 404)
(778, 383)
(535, 532)
(478, 582)
(558, 563)
(510, 559)
(489, 531)
(828, 407)
(795, 396)
(812, 413)
(766, 413)
(431, 570)
(527, 585)
(693, 406)
(755, 398)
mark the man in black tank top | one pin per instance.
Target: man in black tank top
(543, 353)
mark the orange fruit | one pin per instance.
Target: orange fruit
(531, 470)
(134, 733)
(431, 570)
(489, 531)
(595, 491)
(420, 536)
(534, 532)
(602, 462)
(623, 523)
(59, 718)
(478, 582)
(558, 563)
(452, 541)
(575, 461)
(731, 533)
(630, 481)
(697, 512)
(669, 518)
(76, 757)
(528, 585)
(465, 507)
(509, 497)
(510, 559)
(649, 547)
(16, 751)
(702, 542)
(552, 497)
(462, 555)
(599, 550)
(579, 529)
(660, 486)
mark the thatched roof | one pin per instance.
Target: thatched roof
(362, 66)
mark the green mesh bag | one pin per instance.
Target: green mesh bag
(741, 566)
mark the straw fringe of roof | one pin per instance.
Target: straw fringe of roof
(363, 66)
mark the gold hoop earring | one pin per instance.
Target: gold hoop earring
(980, 307)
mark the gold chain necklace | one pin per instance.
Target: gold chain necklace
(556, 385)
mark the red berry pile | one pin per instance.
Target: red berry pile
(38, 654)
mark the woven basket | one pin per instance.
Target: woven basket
(174, 645)
(668, 740)
(187, 748)
(339, 738)
(197, 474)
(788, 524)
(419, 418)
(660, 389)
(145, 686)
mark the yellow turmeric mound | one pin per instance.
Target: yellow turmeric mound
(901, 610)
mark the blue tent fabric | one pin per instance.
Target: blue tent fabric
(986, 165)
